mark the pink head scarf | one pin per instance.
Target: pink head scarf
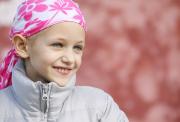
(32, 17)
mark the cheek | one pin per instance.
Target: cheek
(41, 60)
(79, 60)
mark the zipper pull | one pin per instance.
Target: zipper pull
(44, 101)
(44, 93)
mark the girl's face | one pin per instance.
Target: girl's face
(55, 53)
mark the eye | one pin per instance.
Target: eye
(78, 47)
(57, 45)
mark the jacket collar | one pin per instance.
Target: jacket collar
(29, 94)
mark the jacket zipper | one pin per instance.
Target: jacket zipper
(45, 101)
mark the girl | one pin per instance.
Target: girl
(39, 73)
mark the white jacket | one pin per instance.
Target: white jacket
(28, 101)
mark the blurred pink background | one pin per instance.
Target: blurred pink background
(132, 52)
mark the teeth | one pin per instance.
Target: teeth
(62, 70)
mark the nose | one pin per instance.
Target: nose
(68, 57)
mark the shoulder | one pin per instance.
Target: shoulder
(5, 95)
(100, 102)
(88, 93)
(9, 108)
(93, 91)
(91, 97)
(7, 101)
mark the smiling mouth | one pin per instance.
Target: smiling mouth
(62, 70)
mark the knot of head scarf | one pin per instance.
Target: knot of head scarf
(32, 17)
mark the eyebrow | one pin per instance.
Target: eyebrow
(67, 40)
(80, 42)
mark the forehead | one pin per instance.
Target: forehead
(69, 31)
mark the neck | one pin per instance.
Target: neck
(32, 75)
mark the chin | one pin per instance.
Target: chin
(62, 84)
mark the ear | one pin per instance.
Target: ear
(21, 46)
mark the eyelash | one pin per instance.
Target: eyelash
(57, 45)
(79, 47)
